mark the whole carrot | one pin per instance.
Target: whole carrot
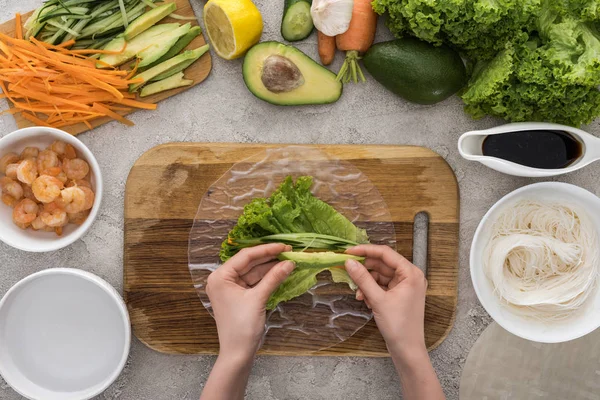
(357, 39)
(326, 48)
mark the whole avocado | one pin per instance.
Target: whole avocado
(415, 70)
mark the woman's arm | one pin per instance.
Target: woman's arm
(238, 291)
(395, 290)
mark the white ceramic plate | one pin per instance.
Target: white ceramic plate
(581, 322)
(38, 241)
(64, 335)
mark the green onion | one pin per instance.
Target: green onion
(298, 241)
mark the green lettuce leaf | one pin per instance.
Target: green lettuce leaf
(291, 209)
(304, 276)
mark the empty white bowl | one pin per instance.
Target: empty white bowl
(40, 241)
(64, 335)
(582, 321)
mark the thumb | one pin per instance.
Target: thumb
(274, 278)
(363, 279)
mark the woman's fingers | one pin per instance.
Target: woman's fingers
(364, 281)
(376, 264)
(257, 273)
(273, 279)
(247, 258)
(385, 254)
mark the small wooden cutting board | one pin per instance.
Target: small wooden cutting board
(162, 196)
(198, 71)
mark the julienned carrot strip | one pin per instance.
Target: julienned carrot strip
(137, 104)
(18, 26)
(111, 114)
(54, 86)
(34, 119)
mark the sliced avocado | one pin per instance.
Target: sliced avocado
(176, 48)
(172, 82)
(180, 67)
(326, 259)
(146, 20)
(162, 45)
(284, 75)
(133, 47)
(147, 75)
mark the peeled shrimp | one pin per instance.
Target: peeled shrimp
(89, 197)
(38, 224)
(53, 215)
(29, 152)
(27, 171)
(46, 188)
(47, 159)
(63, 150)
(28, 192)
(9, 158)
(9, 200)
(76, 168)
(25, 212)
(78, 218)
(80, 183)
(62, 177)
(73, 199)
(11, 170)
(11, 188)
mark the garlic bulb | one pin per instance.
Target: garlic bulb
(332, 17)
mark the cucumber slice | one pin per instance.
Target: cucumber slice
(296, 23)
(172, 82)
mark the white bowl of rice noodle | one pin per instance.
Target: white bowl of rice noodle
(535, 262)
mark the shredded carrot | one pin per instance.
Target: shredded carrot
(111, 114)
(51, 85)
(18, 26)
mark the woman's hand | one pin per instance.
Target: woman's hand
(395, 290)
(238, 291)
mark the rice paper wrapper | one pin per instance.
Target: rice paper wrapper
(328, 313)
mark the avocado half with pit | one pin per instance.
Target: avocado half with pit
(283, 75)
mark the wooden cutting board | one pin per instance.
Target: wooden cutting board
(198, 71)
(162, 195)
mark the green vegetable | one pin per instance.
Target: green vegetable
(176, 48)
(296, 23)
(416, 70)
(535, 59)
(173, 82)
(135, 46)
(292, 209)
(166, 66)
(298, 241)
(293, 215)
(181, 66)
(58, 21)
(148, 19)
(304, 276)
(162, 45)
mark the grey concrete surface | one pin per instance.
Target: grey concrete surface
(222, 110)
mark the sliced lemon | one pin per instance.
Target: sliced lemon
(233, 26)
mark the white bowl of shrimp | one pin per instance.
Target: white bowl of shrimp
(51, 189)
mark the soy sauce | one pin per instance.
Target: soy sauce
(537, 149)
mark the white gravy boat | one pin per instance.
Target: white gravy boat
(470, 148)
